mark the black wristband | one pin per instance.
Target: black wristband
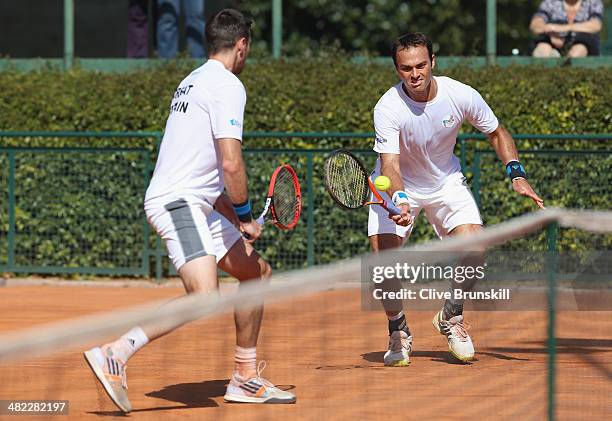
(245, 218)
(514, 170)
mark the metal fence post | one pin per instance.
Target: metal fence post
(476, 179)
(158, 259)
(11, 212)
(146, 254)
(68, 33)
(310, 213)
(158, 245)
(277, 28)
(462, 152)
(491, 31)
(552, 231)
(158, 140)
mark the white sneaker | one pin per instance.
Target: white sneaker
(459, 341)
(256, 390)
(400, 347)
(110, 371)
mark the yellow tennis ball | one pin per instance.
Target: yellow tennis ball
(382, 183)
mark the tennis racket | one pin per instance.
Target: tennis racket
(347, 182)
(284, 200)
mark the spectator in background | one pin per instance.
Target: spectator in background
(567, 26)
(167, 27)
(138, 30)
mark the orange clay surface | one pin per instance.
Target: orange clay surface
(327, 351)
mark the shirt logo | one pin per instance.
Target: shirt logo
(448, 121)
(381, 140)
(235, 122)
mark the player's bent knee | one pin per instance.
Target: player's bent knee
(380, 242)
(264, 273)
(244, 263)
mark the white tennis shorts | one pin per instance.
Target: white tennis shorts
(192, 230)
(447, 208)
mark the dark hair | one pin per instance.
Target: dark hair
(413, 39)
(225, 28)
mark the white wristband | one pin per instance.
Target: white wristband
(400, 198)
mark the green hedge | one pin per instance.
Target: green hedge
(300, 95)
(310, 95)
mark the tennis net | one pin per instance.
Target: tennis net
(317, 337)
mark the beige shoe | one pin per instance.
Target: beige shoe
(256, 390)
(459, 341)
(400, 347)
(110, 372)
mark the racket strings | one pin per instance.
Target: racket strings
(347, 181)
(285, 198)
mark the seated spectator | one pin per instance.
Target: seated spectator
(567, 26)
(168, 12)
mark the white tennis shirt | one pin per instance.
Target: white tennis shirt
(424, 133)
(207, 105)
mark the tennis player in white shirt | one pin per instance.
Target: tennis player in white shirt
(416, 124)
(200, 157)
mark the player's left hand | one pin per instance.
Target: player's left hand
(522, 187)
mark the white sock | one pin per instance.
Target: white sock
(396, 317)
(246, 358)
(128, 344)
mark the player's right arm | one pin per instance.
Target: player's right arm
(387, 132)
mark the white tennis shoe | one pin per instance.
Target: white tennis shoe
(459, 341)
(256, 390)
(110, 371)
(400, 347)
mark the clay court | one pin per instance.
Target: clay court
(330, 353)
